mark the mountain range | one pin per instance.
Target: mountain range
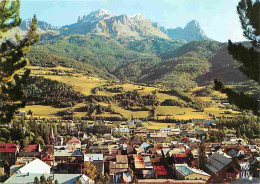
(102, 22)
(135, 49)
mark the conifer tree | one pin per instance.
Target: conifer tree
(248, 58)
(13, 59)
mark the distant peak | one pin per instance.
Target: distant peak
(96, 15)
(137, 15)
(193, 23)
(101, 12)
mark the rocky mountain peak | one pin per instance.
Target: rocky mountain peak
(44, 26)
(96, 16)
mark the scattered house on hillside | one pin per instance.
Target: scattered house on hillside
(184, 172)
(20, 113)
(167, 130)
(36, 166)
(198, 122)
(61, 178)
(8, 152)
(121, 131)
(210, 123)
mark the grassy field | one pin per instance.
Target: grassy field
(219, 112)
(85, 84)
(129, 114)
(81, 84)
(163, 96)
(180, 113)
(41, 110)
(152, 125)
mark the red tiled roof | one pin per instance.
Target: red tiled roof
(73, 140)
(47, 158)
(8, 148)
(188, 151)
(185, 139)
(179, 155)
(31, 148)
(160, 170)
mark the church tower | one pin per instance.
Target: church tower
(201, 160)
(51, 136)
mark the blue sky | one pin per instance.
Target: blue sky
(218, 18)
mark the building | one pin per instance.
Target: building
(8, 152)
(73, 143)
(184, 172)
(32, 150)
(198, 122)
(36, 166)
(61, 178)
(221, 168)
(95, 159)
(167, 130)
(119, 166)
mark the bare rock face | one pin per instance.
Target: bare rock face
(191, 32)
(103, 22)
(43, 26)
(106, 23)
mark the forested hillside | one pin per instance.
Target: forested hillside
(172, 63)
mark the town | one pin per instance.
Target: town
(128, 152)
(113, 91)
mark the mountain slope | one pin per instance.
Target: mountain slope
(224, 68)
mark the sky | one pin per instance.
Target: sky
(218, 18)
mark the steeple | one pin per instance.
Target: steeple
(201, 160)
(51, 136)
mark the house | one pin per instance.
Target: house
(123, 140)
(8, 152)
(32, 150)
(63, 154)
(59, 141)
(120, 165)
(167, 130)
(180, 158)
(148, 174)
(221, 167)
(160, 171)
(73, 143)
(121, 131)
(60, 178)
(210, 123)
(245, 170)
(157, 137)
(20, 113)
(184, 172)
(198, 122)
(95, 159)
(147, 162)
(48, 159)
(36, 166)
